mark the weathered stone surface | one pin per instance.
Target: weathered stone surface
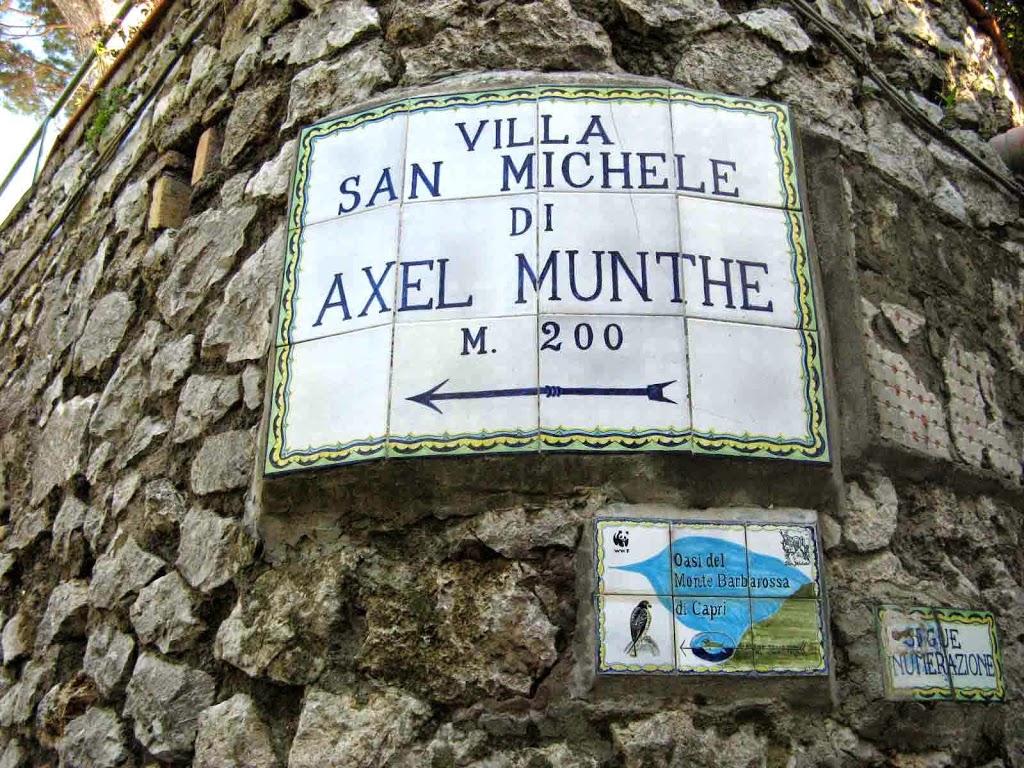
(947, 198)
(729, 62)
(251, 120)
(165, 505)
(124, 491)
(108, 321)
(120, 404)
(108, 656)
(164, 701)
(233, 735)
(281, 626)
(17, 637)
(242, 324)
(205, 251)
(96, 739)
(325, 87)
(145, 432)
(778, 25)
(547, 36)
(870, 514)
(333, 27)
(130, 206)
(341, 732)
(163, 615)
(207, 154)
(693, 16)
(171, 363)
(895, 149)
(224, 462)
(212, 549)
(204, 399)
(59, 450)
(14, 755)
(70, 519)
(252, 387)
(670, 738)
(518, 533)
(20, 701)
(65, 614)
(479, 628)
(124, 568)
(271, 180)
(29, 525)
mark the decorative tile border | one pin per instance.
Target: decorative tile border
(289, 445)
(698, 597)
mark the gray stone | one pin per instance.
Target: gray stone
(60, 449)
(869, 517)
(108, 655)
(242, 324)
(271, 180)
(778, 25)
(107, 324)
(517, 533)
(28, 526)
(130, 206)
(251, 120)
(895, 149)
(252, 387)
(164, 701)
(96, 739)
(14, 756)
(341, 732)
(233, 735)
(19, 703)
(17, 637)
(331, 28)
(224, 462)
(145, 432)
(282, 625)
(212, 549)
(672, 738)
(694, 16)
(205, 252)
(730, 62)
(246, 64)
(121, 402)
(165, 506)
(69, 519)
(947, 198)
(831, 532)
(163, 615)
(204, 400)
(326, 87)
(65, 615)
(170, 364)
(124, 568)
(480, 627)
(53, 393)
(558, 39)
(98, 460)
(124, 491)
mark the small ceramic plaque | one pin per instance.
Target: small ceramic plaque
(744, 598)
(940, 654)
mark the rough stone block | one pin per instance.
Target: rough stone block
(207, 154)
(169, 206)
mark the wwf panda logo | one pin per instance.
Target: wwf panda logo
(621, 540)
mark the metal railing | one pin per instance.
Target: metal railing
(127, 22)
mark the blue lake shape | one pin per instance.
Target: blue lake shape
(658, 572)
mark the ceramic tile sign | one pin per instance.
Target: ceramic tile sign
(940, 654)
(547, 268)
(694, 597)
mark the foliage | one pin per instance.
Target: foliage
(1010, 14)
(107, 104)
(37, 55)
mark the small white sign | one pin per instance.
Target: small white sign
(547, 268)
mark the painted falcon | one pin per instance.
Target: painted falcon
(639, 623)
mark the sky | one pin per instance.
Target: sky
(15, 133)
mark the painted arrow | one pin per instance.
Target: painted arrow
(654, 392)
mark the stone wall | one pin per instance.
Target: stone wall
(160, 603)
